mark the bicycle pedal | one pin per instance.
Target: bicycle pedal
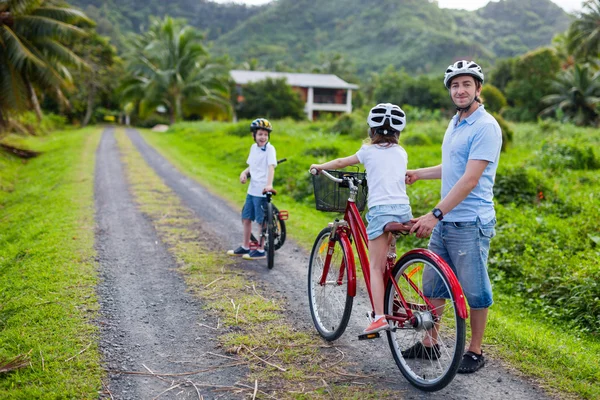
(369, 336)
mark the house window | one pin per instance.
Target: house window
(330, 96)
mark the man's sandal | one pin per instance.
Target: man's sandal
(471, 362)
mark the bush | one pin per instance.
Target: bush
(152, 121)
(239, 129)
(561, 154)
(507, 132)
(344, 125)
(415, 139)
(50, 122)
(520, 186)
(328, 152)
(493, 98)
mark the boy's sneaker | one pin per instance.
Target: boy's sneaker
(254, 255)
(378, 325)
(239, 252)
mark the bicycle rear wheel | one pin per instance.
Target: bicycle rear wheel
(270, 245)
(433, 369)
(330, 304)
(279, 229)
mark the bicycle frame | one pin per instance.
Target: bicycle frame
(352, 224)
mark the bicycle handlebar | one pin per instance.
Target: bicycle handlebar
(314, 171)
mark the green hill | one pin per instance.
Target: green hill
(371, 34)
(414, 34)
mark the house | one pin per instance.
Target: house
(320, 92)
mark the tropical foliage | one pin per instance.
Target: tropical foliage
(168, 67)
(584, 33)
(33, 52)
(577, 96)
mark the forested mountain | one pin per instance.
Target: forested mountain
(371, 34)
(117, 17)
(415, 34)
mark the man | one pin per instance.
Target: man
(462, 223)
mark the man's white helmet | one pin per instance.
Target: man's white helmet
(389, 115)
(462, 67)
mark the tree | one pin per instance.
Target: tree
(493, 98)
(532, 75)
(584, 32)
(169, 67)
(576, 95)
(270, 98)
(99, 79)
(33, 54)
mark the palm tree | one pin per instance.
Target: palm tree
(577, 95)
(169, 67)
(33, 51)
(584, 32)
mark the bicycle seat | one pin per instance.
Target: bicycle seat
(272, 191)
(397, 227)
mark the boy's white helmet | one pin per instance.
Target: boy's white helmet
(462, 67)
(387, 114)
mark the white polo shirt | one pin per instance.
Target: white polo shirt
(259, 160)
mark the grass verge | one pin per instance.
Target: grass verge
(47, 268)
(283, 362)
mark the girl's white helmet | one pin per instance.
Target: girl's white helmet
(387, 114)
(462, 67)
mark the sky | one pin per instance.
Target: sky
(567, 5)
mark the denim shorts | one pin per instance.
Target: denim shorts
(379, 216)
(465, 247)
(254, 208)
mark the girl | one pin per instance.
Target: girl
(385, 163)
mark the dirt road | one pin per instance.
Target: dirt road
(150, 322)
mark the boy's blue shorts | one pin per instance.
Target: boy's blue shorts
(254, 208)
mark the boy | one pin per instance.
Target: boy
(261, 167)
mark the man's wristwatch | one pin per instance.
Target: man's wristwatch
(438, 213)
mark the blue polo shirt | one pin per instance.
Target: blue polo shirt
(477, 137)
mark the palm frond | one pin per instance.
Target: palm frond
(38, 26)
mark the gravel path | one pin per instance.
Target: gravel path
(152, 321)
(149, 321)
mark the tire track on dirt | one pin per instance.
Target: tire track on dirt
(148, 321)
(288, 278)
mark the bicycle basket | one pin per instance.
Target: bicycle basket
(332, 196)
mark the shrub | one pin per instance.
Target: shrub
(415, 139)
(507, 132)
(561, 154)
(324, 151)
(520, 186)
(239, 129)
(152, 121)
(344, 125)
(493, 98)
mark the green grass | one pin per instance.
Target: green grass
(47, 268)
(521, 330)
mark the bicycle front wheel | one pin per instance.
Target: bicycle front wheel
(270, 245)
(330, 304)
(425, 294)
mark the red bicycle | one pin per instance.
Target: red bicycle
(419, 276)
